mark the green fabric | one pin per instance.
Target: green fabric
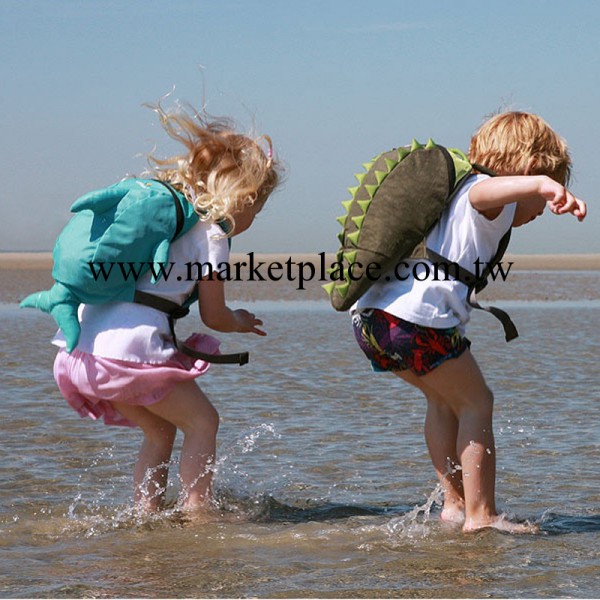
(133, 221)
(401, 196)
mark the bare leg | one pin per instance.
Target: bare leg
(460, 386)
(441, 427)
(190, 410)
(152, 466)
(441, 430)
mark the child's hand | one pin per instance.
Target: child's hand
(247, 322)
(560, 201)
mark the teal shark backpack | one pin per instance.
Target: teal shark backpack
(133, 221)
(401, 195)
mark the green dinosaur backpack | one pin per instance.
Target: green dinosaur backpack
(399, 198)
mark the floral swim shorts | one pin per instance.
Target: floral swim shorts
(393, 344)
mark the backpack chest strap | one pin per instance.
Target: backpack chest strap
(174, 311)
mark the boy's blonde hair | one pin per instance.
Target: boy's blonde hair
(519, 143)
(222, 170)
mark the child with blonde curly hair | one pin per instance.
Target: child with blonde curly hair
(415, 327)
(126, 367)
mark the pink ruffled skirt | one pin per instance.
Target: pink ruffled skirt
(89, 383)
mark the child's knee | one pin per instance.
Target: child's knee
(488, 398)
(159, 434)
(212, 418)
(204, 421)
(482, 402)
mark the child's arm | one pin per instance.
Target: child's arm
(490, 195)
(216, 314)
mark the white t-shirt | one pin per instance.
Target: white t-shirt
(463, 236)
(137, 333)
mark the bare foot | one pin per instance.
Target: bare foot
(501, 523)
(453, 514)
(199, 514)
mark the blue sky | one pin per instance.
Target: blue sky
(332, 81)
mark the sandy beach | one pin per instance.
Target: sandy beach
(522, 262)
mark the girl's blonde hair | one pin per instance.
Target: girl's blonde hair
(222, 170)
(519, 143)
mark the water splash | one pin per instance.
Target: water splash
(93, 510)
(416, 524)
(247, 441)
(236, 490)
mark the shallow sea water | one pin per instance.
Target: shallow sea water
(323, 481)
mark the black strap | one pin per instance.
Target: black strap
(484, 170)
(510, 330)
(474, 284)
(175, 311)
(502, 247)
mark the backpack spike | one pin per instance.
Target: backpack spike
(364, 205)
(350, 256)
(340, 237)
(342, 220)
(328, 287)
(371, 189)
(390, 163)
(462, 166)
(353, 237)
(416, 145)
(358, 221)
(346, 204)
(343, 289)
(360, 177)
(353, 190)
(403, 153)
(380, 176)
(368, 165)
(430, 144)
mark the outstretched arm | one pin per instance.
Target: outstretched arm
(490, 195)
(218, 316)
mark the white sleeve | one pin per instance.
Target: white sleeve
(214, 250)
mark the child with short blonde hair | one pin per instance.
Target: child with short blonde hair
(520, 143)
(415, 327)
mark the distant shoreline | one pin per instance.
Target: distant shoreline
(522, 262)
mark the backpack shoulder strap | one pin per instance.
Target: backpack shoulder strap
(475, 284)
(502, 247)
(175, 311)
